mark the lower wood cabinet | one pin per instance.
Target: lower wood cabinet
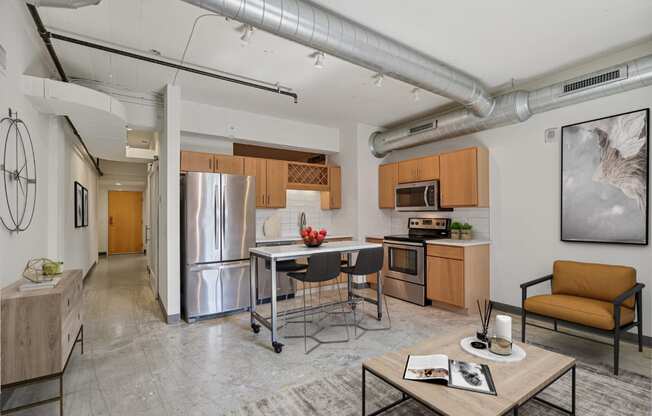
(458, 276)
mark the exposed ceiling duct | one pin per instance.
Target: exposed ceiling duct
(515, 107)
(65, 4)
(316, 27)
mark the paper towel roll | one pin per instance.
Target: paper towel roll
(504, 327)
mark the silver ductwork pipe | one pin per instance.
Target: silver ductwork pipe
(65, 4)
(316, 27)
(515, 107)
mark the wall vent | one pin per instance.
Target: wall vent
(594, 80)
(423, 127)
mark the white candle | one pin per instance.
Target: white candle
(504, 327)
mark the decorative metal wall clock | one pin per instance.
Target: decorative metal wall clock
(18, 169)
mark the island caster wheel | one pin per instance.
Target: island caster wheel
(380, 317)
(278, 347)
(256, 328)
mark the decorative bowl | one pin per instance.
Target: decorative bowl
(314, 243)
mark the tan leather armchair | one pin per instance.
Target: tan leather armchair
(603, 297)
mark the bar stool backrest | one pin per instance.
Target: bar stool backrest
(323, 267)
(369, 261)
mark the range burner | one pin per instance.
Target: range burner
(422, 229)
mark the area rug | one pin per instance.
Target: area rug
(598, 393)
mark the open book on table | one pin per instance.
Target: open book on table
(457, 374)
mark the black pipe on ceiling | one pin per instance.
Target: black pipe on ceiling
(62, 74)
(161, 62)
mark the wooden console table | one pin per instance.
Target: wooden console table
(39, 331)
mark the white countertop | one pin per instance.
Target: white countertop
(459, 243)
(300, 250)
(263, 240)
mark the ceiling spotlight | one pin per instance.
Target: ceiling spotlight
(129, 129)
(118, 184)
(416, 96)
(319, 59)
(378, 79)
(247, 32)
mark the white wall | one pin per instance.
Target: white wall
(525, 199)
(59, 164)
(257, 128)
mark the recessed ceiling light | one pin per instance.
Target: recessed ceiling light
(129, 129)
(118, 184)
(247, 32)
(319, 59)
(416, 95)
(378, 79)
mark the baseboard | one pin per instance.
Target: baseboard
(90, 269)
(364, 285)
(626, 336)
(169, 319)
(102, 253)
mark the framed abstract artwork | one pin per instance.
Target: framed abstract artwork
(605, 179)
(79, 205)
(85, 207)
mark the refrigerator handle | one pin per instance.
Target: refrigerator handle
(217, 224)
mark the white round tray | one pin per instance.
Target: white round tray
(517, 352)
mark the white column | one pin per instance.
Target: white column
(169, 246)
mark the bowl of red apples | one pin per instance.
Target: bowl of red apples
(312, 237)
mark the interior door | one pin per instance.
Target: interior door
(125, 222)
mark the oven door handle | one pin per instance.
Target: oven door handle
(402, 244)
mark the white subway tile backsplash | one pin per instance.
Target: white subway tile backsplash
(308, 202)
(477, 217)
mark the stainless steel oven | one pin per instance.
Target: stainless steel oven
(404, 272)
(418, 196)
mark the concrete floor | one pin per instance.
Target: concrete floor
(135, 364)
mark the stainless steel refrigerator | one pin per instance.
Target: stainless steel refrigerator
(218, 227)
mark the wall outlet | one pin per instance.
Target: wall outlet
(551, 135)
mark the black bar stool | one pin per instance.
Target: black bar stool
(369, 261)
(322, 267)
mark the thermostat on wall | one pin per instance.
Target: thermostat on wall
(550, 135)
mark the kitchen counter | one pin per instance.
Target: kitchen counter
(301, 250)
(459, 243)
(291, 238)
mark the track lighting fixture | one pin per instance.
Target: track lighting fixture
(319, 59)
(416, 94)
(247, 32)
(378, 79)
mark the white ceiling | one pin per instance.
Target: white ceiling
(495, 41)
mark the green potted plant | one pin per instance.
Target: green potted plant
(467, 231)
(456, 229)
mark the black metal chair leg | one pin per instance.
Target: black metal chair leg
(523, 325)
(616, 339)
(639, 320)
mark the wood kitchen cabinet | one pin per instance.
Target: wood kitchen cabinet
(277, 183)
(332, 199)
(233, 165)
(457, 276)
(196, 161)
(464, 178)
(271, 181)
(418, 170)
(387, 180)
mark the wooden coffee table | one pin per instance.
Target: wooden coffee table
(516, 383)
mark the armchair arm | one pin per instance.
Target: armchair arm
(628, 294)
(536, 281)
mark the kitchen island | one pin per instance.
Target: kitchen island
(293, 252)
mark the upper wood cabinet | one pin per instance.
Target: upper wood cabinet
(387, 180)
(464, 178)
(277, 183)
(271, 181)
(332, 199)
(258, 167)
(233, 165)
(196, 162)
(417, 170)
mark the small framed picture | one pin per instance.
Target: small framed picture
(85, 207)
(79, 205)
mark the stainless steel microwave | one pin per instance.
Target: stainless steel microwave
(418, 196)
